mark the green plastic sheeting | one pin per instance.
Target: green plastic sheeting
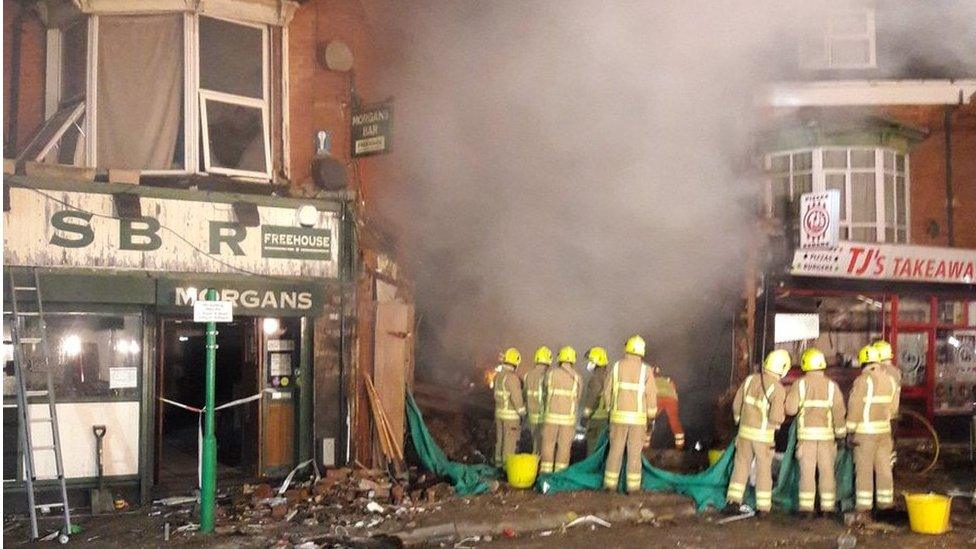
(708, 487)
(466, 479)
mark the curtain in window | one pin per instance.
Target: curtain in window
(140, 91)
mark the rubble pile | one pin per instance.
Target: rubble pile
(343, 504)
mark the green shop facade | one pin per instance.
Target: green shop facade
(120, 267)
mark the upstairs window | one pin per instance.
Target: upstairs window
(841, 39)
(873, 185)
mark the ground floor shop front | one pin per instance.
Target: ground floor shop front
(127, 355)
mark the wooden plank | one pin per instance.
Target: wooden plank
(279, 434)
(393, 323)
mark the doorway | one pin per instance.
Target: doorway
(181, 379)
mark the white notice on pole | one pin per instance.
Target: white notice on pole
(213, 311)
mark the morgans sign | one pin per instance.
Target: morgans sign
(248, 297)
(74, 229)
(888, 262)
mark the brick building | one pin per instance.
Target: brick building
(892, 138)
(156, 149)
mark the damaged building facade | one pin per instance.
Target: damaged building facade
(155, 150)
(892, 137)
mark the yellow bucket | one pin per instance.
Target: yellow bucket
(521, 469)
(928, 513)
(714, 456)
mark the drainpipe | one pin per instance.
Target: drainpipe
(947, 125)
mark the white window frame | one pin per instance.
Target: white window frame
(820, 184)
(829, 38)
(193, 96)
(264, 103)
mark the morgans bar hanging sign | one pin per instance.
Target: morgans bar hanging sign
(888, 262)
(372, 128)
(77, 229)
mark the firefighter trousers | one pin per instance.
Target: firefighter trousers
(872, 471)
(594, 429)
(557, 441)
(670, 407)
(535, 433)
(506, 438)
(817, 456)
(745, 451)
(630, 438)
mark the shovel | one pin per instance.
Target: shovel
(102, 501)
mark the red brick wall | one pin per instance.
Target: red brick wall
(319, 98)
(30, 109)
(927, 172)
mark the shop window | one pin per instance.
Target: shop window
(952, 312)
(955, 371)
(846, 324)
(860, 175)
(914, 309)
(173, 93)
(840, 39)
(913, 349)
(92, 356)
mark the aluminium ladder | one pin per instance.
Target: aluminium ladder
(32, 290)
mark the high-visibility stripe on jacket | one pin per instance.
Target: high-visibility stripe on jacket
(555, 414)
(870, 423)
(762, 432)
(808, 432)
(535, 393)
(637, 416)
(505, 407)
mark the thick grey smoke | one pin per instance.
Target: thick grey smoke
(577, 171)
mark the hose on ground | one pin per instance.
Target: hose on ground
(935, 438)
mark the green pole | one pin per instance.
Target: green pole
(208, 481)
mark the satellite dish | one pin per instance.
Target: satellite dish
(338, 56)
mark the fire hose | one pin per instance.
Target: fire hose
(935, 438)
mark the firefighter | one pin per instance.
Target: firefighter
(819, 406)
(667, 402)
(509, 407)
(534, 382)
(886, 358)
(871, 406)
(594, 408)
(562, 391)
(631, 397)
(758, 410)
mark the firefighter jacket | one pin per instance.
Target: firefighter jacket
(534, 383)
(872, 403)
(630, 392)
(758, 407)
(562, 387)
(593, 405)
(507, 388)
(895, 373)
(818, 404)
(666, 388)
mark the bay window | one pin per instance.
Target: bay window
(872, 181)
(164, 92)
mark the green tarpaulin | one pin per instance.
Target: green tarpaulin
(706, 488)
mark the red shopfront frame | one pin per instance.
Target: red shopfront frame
(922, 395)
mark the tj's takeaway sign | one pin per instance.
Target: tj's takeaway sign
(888, 262)
(81, 230)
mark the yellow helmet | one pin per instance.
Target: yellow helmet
(812, 359)
(635, 345)
(567, 354)
(543, 355)
(868, 355)
(512, 356)
(598, 355)
(884, 350)
(778, 362)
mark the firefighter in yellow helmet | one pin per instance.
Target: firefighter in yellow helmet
(509, 407)
(818, 404)
(870, 407)
(758, 409)
(562, 392)
(886, 359)
(534, 383)
(594, 408)
(631, 397)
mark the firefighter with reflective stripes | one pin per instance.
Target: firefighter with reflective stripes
(667, 402)
(886, 358)
(509, 407)
(818, 404)
(534, 383)
(562, 392)
(631, 396)
(758, 409)
(871, 406)
(594, 408)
